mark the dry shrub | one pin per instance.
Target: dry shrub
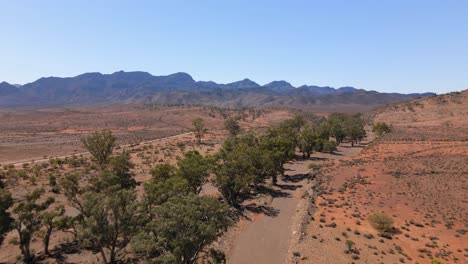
(381, 221)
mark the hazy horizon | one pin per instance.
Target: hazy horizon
(261, 84)
(387, 46)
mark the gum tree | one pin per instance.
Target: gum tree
(199, 129)
(194, 168)
(5, 219)
(100, 144)
(28, 221)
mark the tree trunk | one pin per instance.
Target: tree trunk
(103, 255)
(27, 254)
(112, 256)
(46, 243)
(24, 247)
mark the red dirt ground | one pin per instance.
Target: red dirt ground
(417, 174)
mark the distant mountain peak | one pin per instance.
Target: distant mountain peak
(179, 78)
(242, 84)
(181, 88)
(347, 89)
(90, 74)
(181, 75)
(279, 86)
(6, 88)
(280, 82)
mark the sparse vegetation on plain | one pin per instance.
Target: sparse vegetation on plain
(381, 128)
(199, 129)
(381, 221)
(238, 172)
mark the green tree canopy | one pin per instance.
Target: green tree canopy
(159, 191)
(5, 218)
(329, 146)
(27, 215)
(162, 172)
(110, 221)
(116, 176)
(199, 129)
(50, 221)
(184, 225)
(100, 144)
(344, 126)
(381, 128)
(194, 168)
(308, 140)
(232, 125)
(235, 171)
(280, 143)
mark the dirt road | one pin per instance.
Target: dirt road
(266, 240)
(19, 163)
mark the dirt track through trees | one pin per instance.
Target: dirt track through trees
(266, 239)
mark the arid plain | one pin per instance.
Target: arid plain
(417, 174)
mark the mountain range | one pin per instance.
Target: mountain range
(181, 88)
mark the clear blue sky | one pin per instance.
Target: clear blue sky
(384, 45)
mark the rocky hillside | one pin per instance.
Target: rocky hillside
(181, 88)
(440, 117)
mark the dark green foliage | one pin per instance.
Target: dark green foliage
(158, 191)
(217, 256)
(120, 167)
(108, 210)
(329, 146)
(110, 221)
(354, 130)
(71, 189)
(344, 126)
(313, 138)
(194, 168)
(295, 123)
(381, 128)
(117, 175)
(248, 159)
(183, 226)
(69, 224)
(162, 172)
(50, 221)
(307, 141)
(199, 129)
(280, 142)
(5, 219)
(100, 145)
(232, 125)
(323, 130)
(27, 215)
(52, 181)
(263, 166)
(349, 244)
(235, 171)
(337, 129)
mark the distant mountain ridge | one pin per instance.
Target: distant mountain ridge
(181, 88)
